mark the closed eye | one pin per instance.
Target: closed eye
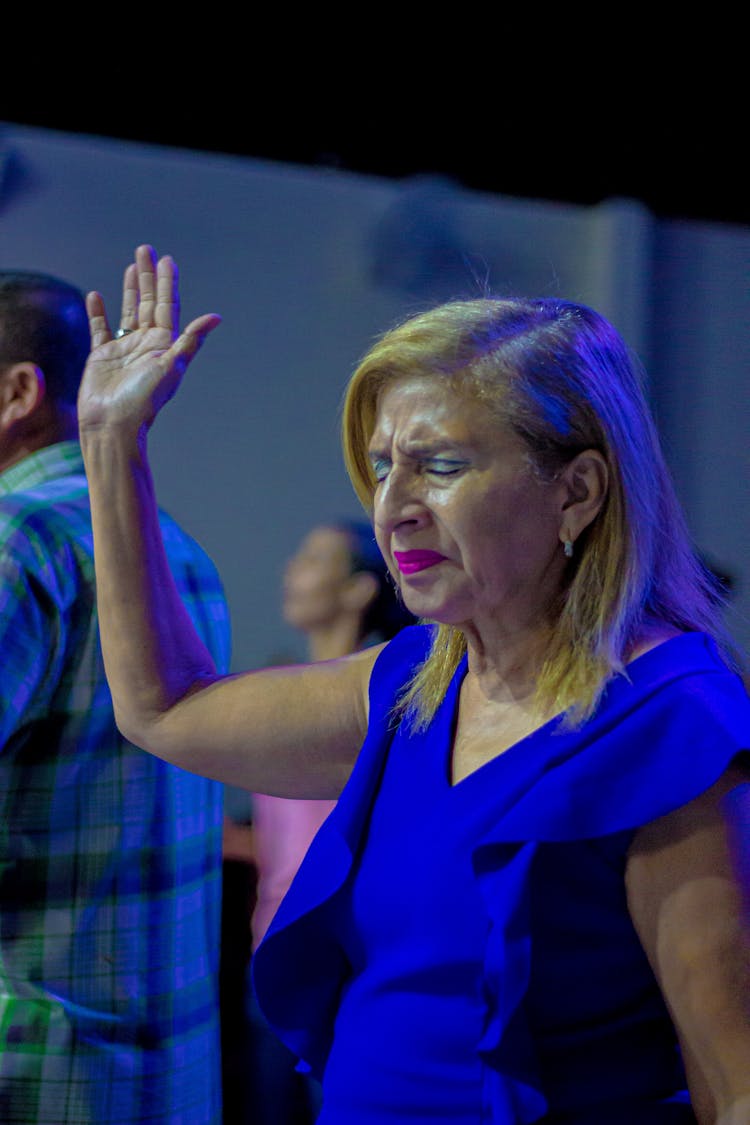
(380, 468)
(437, 466)
(443, 467)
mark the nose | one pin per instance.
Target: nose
(398, 502)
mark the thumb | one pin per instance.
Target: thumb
(191, 339)
(192, 336)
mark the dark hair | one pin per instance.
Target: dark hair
(43, 321)
(386, 614)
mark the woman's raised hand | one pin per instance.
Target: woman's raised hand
(129, 377)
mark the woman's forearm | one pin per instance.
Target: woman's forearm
(152, 653)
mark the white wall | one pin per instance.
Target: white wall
(306, 266)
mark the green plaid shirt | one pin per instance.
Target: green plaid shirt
(110, 860)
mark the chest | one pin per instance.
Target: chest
(484, 730)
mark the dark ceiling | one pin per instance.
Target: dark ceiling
(673, 143)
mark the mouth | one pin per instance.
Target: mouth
(410, 562)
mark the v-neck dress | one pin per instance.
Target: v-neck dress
(464, 953)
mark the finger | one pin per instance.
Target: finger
(129, 310)
(186, 345)
(98, 325)
(145, 260)
(167, 311)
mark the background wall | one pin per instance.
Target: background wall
(307, 265)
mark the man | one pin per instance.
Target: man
(110, 860)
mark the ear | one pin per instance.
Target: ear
(22, 390)
(360, 591)
(585, 481)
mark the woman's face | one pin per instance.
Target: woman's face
(468, 529)
(315, 577)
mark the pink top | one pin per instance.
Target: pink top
(283, 830)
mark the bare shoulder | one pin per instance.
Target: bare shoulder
(686, 881)
(347, 676)
(688, 862)
(315, 717)
(706, 813)
(684, 862)
(289, 731)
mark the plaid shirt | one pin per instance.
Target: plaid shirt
(110, 860)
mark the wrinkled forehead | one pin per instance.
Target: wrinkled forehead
(425, 402)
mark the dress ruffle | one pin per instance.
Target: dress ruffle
(512, 1085)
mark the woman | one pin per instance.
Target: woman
(525, 899)
(337, 592)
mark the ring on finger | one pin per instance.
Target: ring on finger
(123, 332)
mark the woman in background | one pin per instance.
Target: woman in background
(337, 592)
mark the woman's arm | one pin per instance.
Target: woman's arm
(289, 731)
(691, 913)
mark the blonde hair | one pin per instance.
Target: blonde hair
(562, 378)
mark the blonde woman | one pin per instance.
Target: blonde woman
(524, 906)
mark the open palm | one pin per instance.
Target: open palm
(129, 377)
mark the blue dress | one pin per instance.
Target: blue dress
(464, 952)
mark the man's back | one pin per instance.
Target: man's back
(110, 860)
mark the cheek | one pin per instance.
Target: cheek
(504, 531)
(306, 584)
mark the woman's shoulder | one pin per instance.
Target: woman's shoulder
(652, 637)
(675, 653)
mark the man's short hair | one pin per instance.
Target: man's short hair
(43, 321)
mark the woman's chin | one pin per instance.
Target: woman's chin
(433, 610)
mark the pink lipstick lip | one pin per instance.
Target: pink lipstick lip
(410, 562)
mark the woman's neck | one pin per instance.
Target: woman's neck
(506, 665)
